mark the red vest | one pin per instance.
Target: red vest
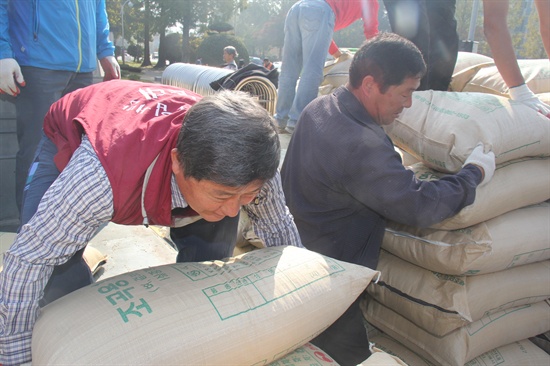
(129, 124)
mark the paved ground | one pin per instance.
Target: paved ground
(151, 75)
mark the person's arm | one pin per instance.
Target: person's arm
(70, 213)
(10, 72)
(495, 15)
(376, 177)
(495, 27)
(270, 217)
(334, 50)
(5, 45)
(543, 8)
(370, 18)
(105, 48)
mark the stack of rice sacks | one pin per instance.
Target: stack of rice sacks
(475, 286)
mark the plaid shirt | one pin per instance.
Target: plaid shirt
(70, 213)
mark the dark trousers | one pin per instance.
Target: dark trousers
(434, 33)
(346, 340)
(43, 87)
(205, 241)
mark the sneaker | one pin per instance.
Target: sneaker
(289, 129)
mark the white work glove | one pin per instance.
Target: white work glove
(110, 67)
(10, 76)
(524, 95)
(483, 160)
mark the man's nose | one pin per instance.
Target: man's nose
(408, 102)
(231, 207)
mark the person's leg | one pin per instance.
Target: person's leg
(75, 273)
(68, 277)
(291, 66)
(409, 19)
(346, 340)
(205, 241)
(79, 80)
(42, 173)
(317, 27)
(43, 87)
(443, 50)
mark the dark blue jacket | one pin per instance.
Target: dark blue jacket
(342, 179)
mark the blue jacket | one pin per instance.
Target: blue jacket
(55, 34)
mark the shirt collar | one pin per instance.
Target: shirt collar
(177, 198)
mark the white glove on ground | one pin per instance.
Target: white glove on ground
(10, 73)
(485, 161)
(524, 95)
(110, 67)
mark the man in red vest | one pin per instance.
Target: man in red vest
(136, 153)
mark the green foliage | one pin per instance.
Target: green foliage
(172, 48)
(134, 77)
(211, 49)
(220, 27)
(522, 24)
(135, 50)
(533, 47)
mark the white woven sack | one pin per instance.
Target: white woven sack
(381, 358)
(517, 237)
(544, 97)
(406, 158)
(441, 303)
(488, 79)
(442, 128)
(188, 313)
(466, 343)
(479, 74)
(307, 355)
(391, 346)
(522, 352)
(337, 74)
(466, 60)
(515, 184)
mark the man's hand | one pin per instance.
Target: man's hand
(524, 95)
(10, 76)
(484, 161)
(110, 67)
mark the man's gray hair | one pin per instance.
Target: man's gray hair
(231, 51)
(230, 139)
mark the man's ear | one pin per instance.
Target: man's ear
(176, 166)
(368, 85)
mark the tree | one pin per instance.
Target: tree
(269, 18)
(521, 22)
(172, 48)
(146, 34)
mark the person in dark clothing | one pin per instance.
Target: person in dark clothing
(431, 26)
(343, 179)
(268, 64)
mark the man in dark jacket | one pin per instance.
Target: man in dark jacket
(343, 179)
